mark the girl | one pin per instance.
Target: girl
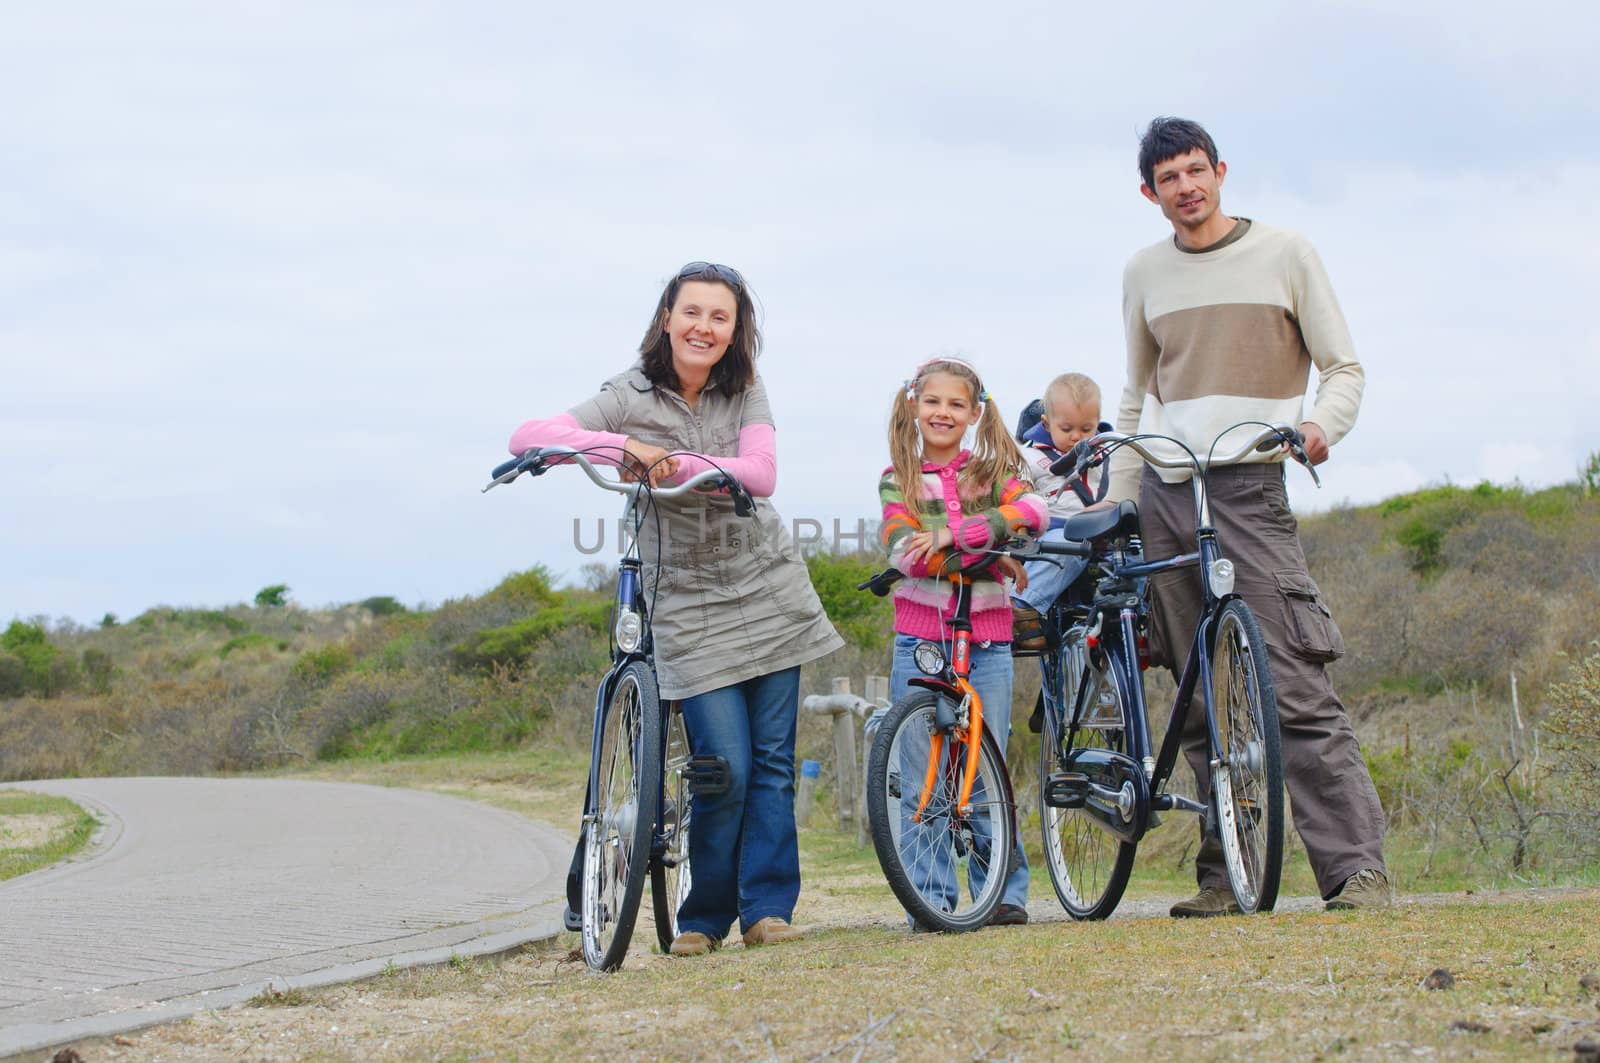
(935, 496)
(735, 615)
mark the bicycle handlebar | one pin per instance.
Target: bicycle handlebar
(881, 583)
(1088, 453)
(539, 460)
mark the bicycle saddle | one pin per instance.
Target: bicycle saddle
(1103, 523)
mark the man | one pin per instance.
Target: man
(1224, 321)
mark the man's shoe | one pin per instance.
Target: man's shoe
(1210, 901)
(1367, 888)
(1027, 628)
(771, 931)
(693, 943)
(1009, 915)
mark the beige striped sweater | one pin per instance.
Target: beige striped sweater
(1230, 334)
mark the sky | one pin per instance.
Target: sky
(278, 280)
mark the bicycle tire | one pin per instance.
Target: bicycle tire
(927, 862)
(1089, 866)
(1247, 783)
(617, 836)
(669, 864)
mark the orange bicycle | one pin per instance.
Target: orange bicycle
(938, 797)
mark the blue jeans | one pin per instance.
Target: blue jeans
(1048, 578)
(744, 856)
(991, 676)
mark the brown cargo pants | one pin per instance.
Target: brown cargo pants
(1336, 809)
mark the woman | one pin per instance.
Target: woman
(735, 616)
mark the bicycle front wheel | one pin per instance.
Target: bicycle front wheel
(626, 775)
(1088, 865)
(669, 866)
(1247, 781)
(947, 867)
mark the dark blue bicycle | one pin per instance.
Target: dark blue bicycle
(1102, 785)
(642, 772)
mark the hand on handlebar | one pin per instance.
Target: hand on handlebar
(645, 459)
(1314, 442)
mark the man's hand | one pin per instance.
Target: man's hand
(645, 459)
(1316, 442)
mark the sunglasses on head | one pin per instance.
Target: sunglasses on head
(713, 271)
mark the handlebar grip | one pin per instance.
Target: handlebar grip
(504, 467)
(1069, 462)
(882, 583)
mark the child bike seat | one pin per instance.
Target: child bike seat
(1120, 522)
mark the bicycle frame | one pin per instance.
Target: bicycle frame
(955, 684)
(1124, 789)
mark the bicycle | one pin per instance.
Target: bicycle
(1101, 789)
(939, 799)
(642, 770)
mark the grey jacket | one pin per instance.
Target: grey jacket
(734, 600)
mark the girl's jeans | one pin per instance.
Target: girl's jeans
(991, 677)
(743, 852)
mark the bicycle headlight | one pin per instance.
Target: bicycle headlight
(930, 658)
(1221, 577)
(629, 630)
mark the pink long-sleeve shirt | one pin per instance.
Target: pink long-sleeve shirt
(755, 466)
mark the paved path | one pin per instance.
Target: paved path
(200, 892)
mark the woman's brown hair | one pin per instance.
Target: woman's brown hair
(736, 370)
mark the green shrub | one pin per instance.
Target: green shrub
(863, 619)
(516, 642)
(274, 597)
(383, 605)
(39, 667)
(318, 667)
(247, 641)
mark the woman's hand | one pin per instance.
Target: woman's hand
(923, 544)
(645, 459)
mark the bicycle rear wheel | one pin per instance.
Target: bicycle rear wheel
(947, 868)
(1088, 865)
(626, 775)
(669, 866)
(1247, 784)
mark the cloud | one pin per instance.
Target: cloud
(279, 280)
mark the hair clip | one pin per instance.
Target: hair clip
(911, 390)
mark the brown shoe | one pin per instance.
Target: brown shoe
(771, 931)
(1009, 915)
(1367, 888)
(1212, 900)
(693, 943)
(1027, 628)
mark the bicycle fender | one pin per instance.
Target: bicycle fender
(928, 682)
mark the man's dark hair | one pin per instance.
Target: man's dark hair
(1167, 138)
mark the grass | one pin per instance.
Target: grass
(1290, 986)
(36, 830)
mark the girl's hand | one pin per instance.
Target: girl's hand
(644, 459)
(923, 544)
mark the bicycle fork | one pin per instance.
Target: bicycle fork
(970, 734)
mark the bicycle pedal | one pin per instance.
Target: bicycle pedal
(1066, 789)
(707, 775)
(571, 919)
